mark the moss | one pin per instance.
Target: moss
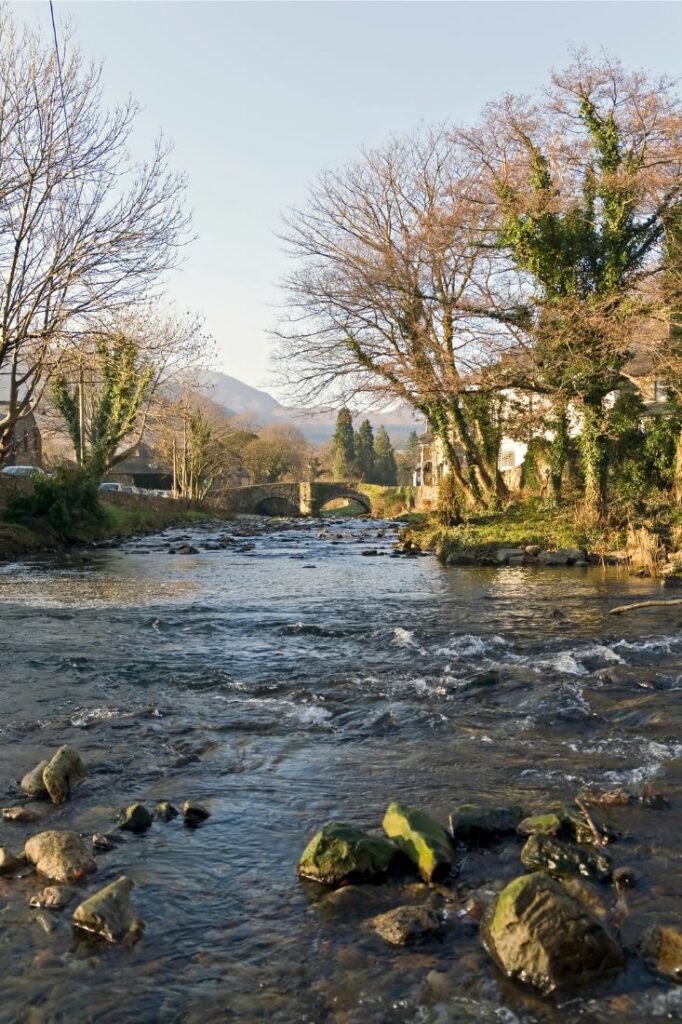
(541, 824)
(341, 854)
(419, 837)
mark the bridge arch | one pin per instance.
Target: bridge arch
(276, 505)
(341, 493)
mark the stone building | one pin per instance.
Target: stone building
(26, 447)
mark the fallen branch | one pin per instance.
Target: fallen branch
(599, 839)
(643, 604)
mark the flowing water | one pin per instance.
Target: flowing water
(288, 681)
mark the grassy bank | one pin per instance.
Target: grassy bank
(122, 516)
(527, 523)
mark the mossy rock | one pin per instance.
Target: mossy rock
(422, 839)
(547, 853)
(342, 854)
(540, 934)
(548, 824)
(476, 823)
(661, 947)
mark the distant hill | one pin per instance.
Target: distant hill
(239, 399)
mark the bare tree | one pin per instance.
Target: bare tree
(278, 452)
(396, 293)
(83, 231)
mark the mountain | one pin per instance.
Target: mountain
(239, 399)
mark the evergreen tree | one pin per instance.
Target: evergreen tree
(386, 471)
(364, 453)
(344, 446)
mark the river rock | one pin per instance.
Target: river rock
(165, 811)
(477, 823)
(32, 783)
(540, 825)
(662, 949)
(461, 558)
(20, 813)
(547, 853)
(53, 897)
(342, 854)
(405, 925)
(194, 814)
(60, 774)
(540, 934)
(61, 856)
(10, 862)
(110, 913)
(134, 818)
(186, 549)
(504, 555)
(423, 840)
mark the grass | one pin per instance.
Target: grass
(122, 517)
(517, 526)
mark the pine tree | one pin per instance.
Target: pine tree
(344, 446)
(364, 453)
(386, 469)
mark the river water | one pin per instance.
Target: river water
(288, 680)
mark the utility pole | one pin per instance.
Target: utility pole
(175, 470)
(81, 413)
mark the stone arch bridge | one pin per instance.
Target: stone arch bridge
(302, 499)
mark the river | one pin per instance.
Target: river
(287, 680)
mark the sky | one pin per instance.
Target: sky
(259, 97)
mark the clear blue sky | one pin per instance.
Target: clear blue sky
(258, 97)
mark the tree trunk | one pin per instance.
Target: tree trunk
(594, 448)
(558, 453)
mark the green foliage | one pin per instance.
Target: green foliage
(386, 468)
(448, 511)
(642, 457)
(363, 443)
(344, 446)
(67, 501)
(123, 381)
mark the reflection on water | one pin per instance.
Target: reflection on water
(295, 681)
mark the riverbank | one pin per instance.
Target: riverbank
(123, 516)
(528, 532)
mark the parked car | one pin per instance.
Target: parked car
(22, 471)
(110, 486)
(128, 490)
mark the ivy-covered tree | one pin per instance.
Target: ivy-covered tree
(364, 453)
(344, 446)
(386, 469)
(101, 410)
(583, 182)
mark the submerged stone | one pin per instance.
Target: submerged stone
(20, 813)
(10, 862)
(61, 856)
(482, 681)
(134, 818)
(194, 814)
(60, 774)
(541, 935)
(662, 949)
(53, 897)
(405, 925)
(476, 823)
(33, 784)
(341, 854)
(110, 913)
(547, 853)
(422, 839)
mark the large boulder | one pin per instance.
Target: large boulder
(32, 783)
(110, 913)
(422, 839)
(342, 854)
(547, 853)
(61, 772)
(478, 823)
(405, 925)
(61, 856)
(541, 935)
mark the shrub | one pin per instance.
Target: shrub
(66, 501)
